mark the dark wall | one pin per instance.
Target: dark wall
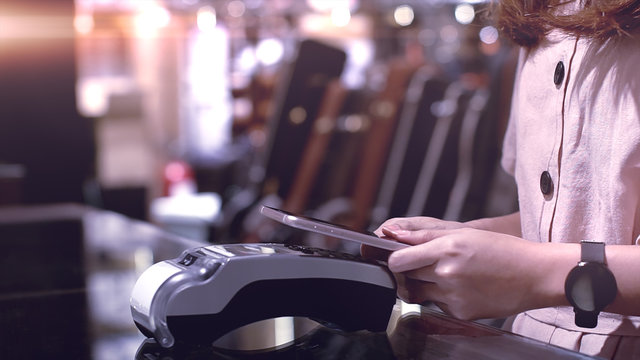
(39, 124)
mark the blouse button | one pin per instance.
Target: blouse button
(546, 184)
(558, 75)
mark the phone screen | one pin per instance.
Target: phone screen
(330, 229)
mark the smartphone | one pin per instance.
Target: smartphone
(329, 229)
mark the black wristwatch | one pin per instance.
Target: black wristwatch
(590, 286)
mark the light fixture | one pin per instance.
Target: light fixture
(152, 18)
(270, 51)
(465, 13)
(488, 35)
(327, 6)
(206, 18)
(403, 15)
(340, 16)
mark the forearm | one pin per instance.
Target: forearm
(507, 224)
(516, 274)
(624, 262)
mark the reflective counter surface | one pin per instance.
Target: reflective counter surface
(68, 271)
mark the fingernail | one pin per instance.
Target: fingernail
(395, 232)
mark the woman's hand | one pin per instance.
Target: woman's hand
(393, 229)
(404, 225)
(472, 274)
(506, 224)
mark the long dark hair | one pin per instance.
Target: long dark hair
(526, 22)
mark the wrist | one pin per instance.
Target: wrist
(551, 263)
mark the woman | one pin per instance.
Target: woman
(573, 146)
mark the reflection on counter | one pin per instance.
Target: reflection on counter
(322, 344)
(419, 333)
(68, 272)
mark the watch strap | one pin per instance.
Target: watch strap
(593, 265)
(592, 251)
(586, 319)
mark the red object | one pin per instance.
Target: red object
(178, 178)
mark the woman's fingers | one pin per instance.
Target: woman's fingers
(414, 237)
(414, 257)
(416, 223)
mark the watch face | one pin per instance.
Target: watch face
(581, 291)
(590, 287)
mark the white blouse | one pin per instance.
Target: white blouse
(573, 145)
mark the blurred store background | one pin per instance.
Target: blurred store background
(192, 113)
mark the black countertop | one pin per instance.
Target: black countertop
(68, 271)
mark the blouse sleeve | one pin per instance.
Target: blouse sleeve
(509, 145)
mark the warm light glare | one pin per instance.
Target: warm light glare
(340, 16)
(247, 59)
(269, 51)
(208, 96)
(353, 123)
(152, 18)
(35, 26)
(465, 13)
(403, 15)
(83, 24)
(327, 6)
(92, 98)
(207, 19)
